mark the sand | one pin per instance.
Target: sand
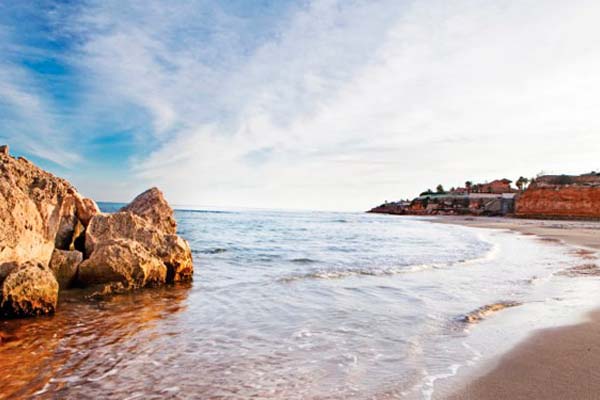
(576, 233)
(560, 363)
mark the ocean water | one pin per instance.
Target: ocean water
(301, 305)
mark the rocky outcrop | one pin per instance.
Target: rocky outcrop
(170, 249)
(86, 208)
(29, 289)
(64, 265)
(53, 238)
(152, 206)
(39, 211)
(561, 197)
(123, 261)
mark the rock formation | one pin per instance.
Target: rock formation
(121, 231)
(561, 196)
(29, 289)
(124, 261)
(52, 238)
(64, 265)
(152, 206)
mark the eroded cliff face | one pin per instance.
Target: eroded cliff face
(559, 201)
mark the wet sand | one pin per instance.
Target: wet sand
(559, 363)
(576, 233)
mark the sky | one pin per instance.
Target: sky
(306, 104)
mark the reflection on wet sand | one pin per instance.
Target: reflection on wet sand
(84, 343)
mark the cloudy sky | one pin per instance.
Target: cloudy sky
(313, 104)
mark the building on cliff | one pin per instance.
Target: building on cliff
(495, 198)
(498, 186)
(490, 204)
(561, 196)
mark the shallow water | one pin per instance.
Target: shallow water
(300, 305)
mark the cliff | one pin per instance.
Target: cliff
(52, 239)
(568, 197)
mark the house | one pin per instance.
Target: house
(497, 186)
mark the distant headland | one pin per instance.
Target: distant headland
(545, 197)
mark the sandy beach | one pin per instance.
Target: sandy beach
(575, 233)
(559, 363)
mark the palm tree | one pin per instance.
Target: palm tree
(468, 185)
(521, 183)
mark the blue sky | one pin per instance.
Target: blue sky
(316, 104)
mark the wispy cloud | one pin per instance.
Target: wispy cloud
(330, 104)
(28, 118)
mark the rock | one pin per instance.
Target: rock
(177, 256)
(173, 251)
(152, 206)
(63, 265)
(559, 201)
(52, 237)
(29, 289)
(85, 208)
(124, 261)
(31, 210)
(120, 225)
(68, 224)
(107, 289)
(6, 269)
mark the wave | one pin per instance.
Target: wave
(483, 312)
(187, 210)
(403, 269)
(217, 250)
(345, 273)
(303, 260)
(581, 270)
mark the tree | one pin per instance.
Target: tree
(520, 183)
(468, 185)
(440, 188)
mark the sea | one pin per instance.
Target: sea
(303, 305)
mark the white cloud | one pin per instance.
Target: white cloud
(450, 92)
(342, 104)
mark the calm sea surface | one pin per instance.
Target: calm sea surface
(300, 305)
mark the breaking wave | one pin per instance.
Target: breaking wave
(303, 260)
(345, 273)
(217, 250)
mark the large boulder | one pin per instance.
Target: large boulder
(29, 289)
(124, 261)
(64, 265)
(37, 209)
(52, 238)
(173, 251)
(152, 206)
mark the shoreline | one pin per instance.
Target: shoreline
(577, 233)
(552, 363)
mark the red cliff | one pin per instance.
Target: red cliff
(561, 197)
